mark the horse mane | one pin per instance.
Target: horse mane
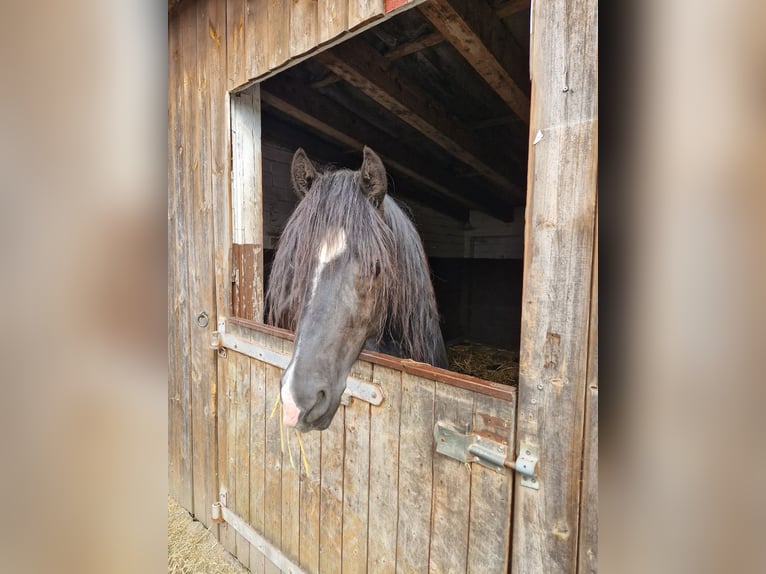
(387, 241)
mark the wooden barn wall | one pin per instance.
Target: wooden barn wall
(215, 46)
(557, 408)
(385, 501)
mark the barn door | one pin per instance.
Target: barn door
(372, 493)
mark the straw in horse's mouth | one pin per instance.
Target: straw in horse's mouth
(282, 439)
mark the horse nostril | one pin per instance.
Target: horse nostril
(319, 407)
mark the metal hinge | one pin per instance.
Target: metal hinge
(467, 447)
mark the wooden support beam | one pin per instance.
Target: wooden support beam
(291, 98)
(328, 80)
(482, 39)
(277, 130)
(415, 46)
(362, 67)
(558, 274)
(512, 7)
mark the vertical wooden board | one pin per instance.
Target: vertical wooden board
(256, 22)
(227, 435)
(258, 413)
(235, 43)
(190, 147)
(384, 472)
(291, 497)
(333, 19)
(588, 545)
(331, 501)
(557, 280)
(219, 152)
(415, 474)
(279, 32)
(201, 278)
(310, 502)
(176, 274)
(236, 298)
(303, 26)
(356, 477)
(181, 302)
(241, 503)
(451, 487)
(273, 458)
(491, 492)
(362, 11)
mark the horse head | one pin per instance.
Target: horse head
(331, 260)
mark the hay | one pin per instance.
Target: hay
(484, 362)
(194, 549)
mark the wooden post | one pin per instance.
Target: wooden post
(560, 229)
(247, 199)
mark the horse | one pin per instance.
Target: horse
(350, 272)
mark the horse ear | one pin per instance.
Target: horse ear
(303, 172)
(374, 182)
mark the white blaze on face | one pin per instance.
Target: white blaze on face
(333, 245)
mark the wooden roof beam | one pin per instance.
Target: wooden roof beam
(483, 40)
(362, 67)
(291, 98)
(278, 131)
(415, 46)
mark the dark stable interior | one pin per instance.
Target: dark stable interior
(466, 195)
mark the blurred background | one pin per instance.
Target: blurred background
(83, 217)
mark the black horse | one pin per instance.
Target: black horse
(349, 273)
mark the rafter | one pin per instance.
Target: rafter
(362, 67)
(336, 123)
(482, 39)
(415, 46)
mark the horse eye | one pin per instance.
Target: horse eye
(377, 268)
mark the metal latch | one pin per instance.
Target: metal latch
(469, 447)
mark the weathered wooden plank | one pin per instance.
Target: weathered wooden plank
(180, 393)
(201, 287)
(291, 497)
(273, 458)
(411, 47)
(588, 543)
(491, 492)
(236, 297)
(227, 434)
(356, 478)
(235, 43)
(258, 413)
(362, 11)
(247, 203)
(333, 19)
(278, 48)
(415, 474)
(304, 20)
(362, 67)
(256, 39)
(480, 37)
(451, 487)
(220, 149)
(310, 502)
(331, 502)
(557, 280)
(384, 473)
(240, 503)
